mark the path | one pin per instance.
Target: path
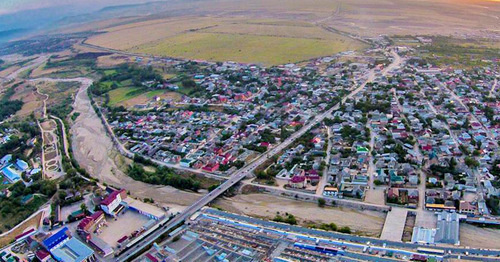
(493, 87)
(324, 179)
(64, 137)
(53, 167)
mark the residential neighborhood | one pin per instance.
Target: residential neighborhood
(388, 152)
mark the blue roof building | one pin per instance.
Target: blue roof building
(6, 159)
(73, 250)
(56, 239)
(22, 165)
(11, 173)
(64, 248)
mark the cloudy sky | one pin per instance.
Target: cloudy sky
(11, 6)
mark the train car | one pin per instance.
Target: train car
(431, 251)
(418, 257)
(321, 249)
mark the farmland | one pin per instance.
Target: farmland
(144, 32)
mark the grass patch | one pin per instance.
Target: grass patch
(123, 94)
(109, 72)
(154, 93)
(268, 50)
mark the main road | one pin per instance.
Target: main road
(247, 170)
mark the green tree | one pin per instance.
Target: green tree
(321, 202)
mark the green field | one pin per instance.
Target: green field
(123, 94)
(154, 93)
(109, 72)
(268, 50)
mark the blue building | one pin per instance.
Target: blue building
(11, 173)
(65, 248)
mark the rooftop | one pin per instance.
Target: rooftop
(72, 251)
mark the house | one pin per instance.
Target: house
(27, 199)
(111, 205)
(448, 228)
(92, 222)
(297, 181)
(423, 235)
(11, 173)
(211, 167)
(330, 191)
(43, 255)
(393, 193)
(187, 162)
(466, 207)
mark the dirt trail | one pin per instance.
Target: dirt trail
(94, 151)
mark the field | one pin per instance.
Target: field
(268, 50)
(442, 17)
(132, 35)
(32, 100)
(294, 18)
(130, 96)
(467, 53)
(122, 94)
(269, 42)
(111, 61)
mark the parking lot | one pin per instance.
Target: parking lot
(125, 224)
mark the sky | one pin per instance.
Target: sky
(12, 6)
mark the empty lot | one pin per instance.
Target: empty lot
(265, 206)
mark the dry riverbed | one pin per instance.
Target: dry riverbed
(94, 150)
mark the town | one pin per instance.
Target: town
(388, 133)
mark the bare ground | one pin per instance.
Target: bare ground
(111, 60)
(478, 237)
(265, 206)
(94, 151)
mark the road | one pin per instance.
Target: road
(247, 170)
(371, 164)
(324, 178)
(489, 134)
(493, 87)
